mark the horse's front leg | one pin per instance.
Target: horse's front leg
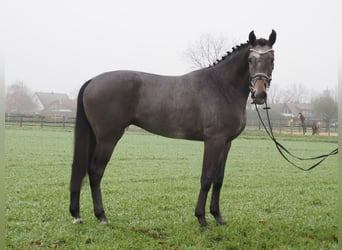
(217, 184)
(215, 155)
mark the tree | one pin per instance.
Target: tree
(207, 50)
(295, 93)
(325, 106)
(18, 99)
(273, 94)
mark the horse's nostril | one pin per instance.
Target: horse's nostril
(259, 97)
(258, 101)
(262, 95)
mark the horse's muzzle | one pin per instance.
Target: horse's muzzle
(259, 99)
(259, 94)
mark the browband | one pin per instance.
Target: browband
(261, 52)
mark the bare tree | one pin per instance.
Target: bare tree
(295, 93)
(273, 94)
(207, 50)
(19, 98)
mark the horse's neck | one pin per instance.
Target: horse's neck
(234, 71)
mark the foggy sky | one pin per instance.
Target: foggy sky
(55, 46)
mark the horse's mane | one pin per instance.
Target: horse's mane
(230, 53)
(236, 48)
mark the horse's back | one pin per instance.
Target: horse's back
(165, 105)
(171, 106)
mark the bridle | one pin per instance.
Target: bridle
(260, 76)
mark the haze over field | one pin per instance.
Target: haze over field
(55, 46)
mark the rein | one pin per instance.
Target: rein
(283, 151)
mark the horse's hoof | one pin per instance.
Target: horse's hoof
(203, 223)
(77, 221)
(104, 222)
(103, 219)
(205, 228)
(220, 221)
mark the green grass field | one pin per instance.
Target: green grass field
(150, 191)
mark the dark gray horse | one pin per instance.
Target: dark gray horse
(206, 105)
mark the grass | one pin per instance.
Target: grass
(150, 190)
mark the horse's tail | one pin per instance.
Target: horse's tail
(84, 144)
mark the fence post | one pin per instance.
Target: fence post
(41, 121)
(63, 121)
(21, 121)
(291, 125)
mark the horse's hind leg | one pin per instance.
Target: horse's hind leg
(102, 154)
(79, 171)
(75, 206)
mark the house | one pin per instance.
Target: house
(293, 110)
(56, 104)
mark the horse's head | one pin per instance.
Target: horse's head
(260, 60)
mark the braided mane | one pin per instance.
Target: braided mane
(229, 53)
(260, 41)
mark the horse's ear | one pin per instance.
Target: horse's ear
(252, 38)
(272, 37)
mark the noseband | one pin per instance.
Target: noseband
(260, 76)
